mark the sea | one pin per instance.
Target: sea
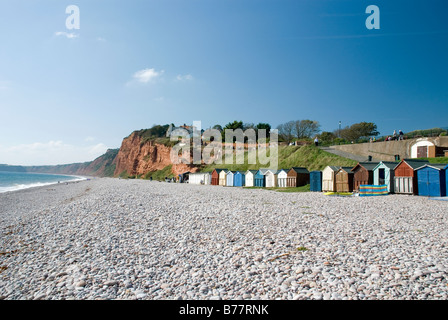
(12, 181)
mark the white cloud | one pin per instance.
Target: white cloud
(186, 77)
(66, 34)
(100, 39)
(146, 75)
(50, 153)
(88, 139)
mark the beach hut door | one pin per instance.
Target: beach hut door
(434, 188)
(423, 185)
(381, 176)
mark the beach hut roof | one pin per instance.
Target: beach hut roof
(347, 169)
(369, 166)
(389, 164)
(437, 166)
(300, 169)
(252, 171)
(263, 171)
(332, 168)
(414, 163)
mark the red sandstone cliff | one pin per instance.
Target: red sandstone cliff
(138, 158)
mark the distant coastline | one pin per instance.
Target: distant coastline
(15, 181)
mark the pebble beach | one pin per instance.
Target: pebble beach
(108, 238)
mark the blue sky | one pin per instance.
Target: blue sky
(68, 95)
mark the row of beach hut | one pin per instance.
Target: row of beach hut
(294, 177)
(409, 176)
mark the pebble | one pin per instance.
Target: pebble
(299, 270)
(136, 239)
(110, 283)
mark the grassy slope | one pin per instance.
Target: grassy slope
(437, 160)
(160, 175)
(292, 156)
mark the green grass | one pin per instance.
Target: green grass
(109, 170)
(436, 160)
(305, 188)
(162, 140)
(160, 175)
(309, 157)
(124, 175)
(295, 189)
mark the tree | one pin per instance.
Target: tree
(157, 131)
(359, 130)
(306, 128)
(286, 131)
(326, 136)
(234, 125)
(265, 126)
(217, 127)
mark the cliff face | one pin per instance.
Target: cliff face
(138, 157)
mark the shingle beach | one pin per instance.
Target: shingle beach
(134, 239)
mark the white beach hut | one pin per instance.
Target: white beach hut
(282, 177)
(250, 174)
(200, 178)
(328, 178)
(223, 178)
(271, 178)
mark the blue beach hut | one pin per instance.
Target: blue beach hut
(260, 178)
(316, 181)
(446, 176)
(239, 179)
(384, 174)
(432, 180)
(229, 178)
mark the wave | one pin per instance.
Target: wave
(17, 187)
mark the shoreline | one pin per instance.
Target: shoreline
(43, 184)
(107, 238)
